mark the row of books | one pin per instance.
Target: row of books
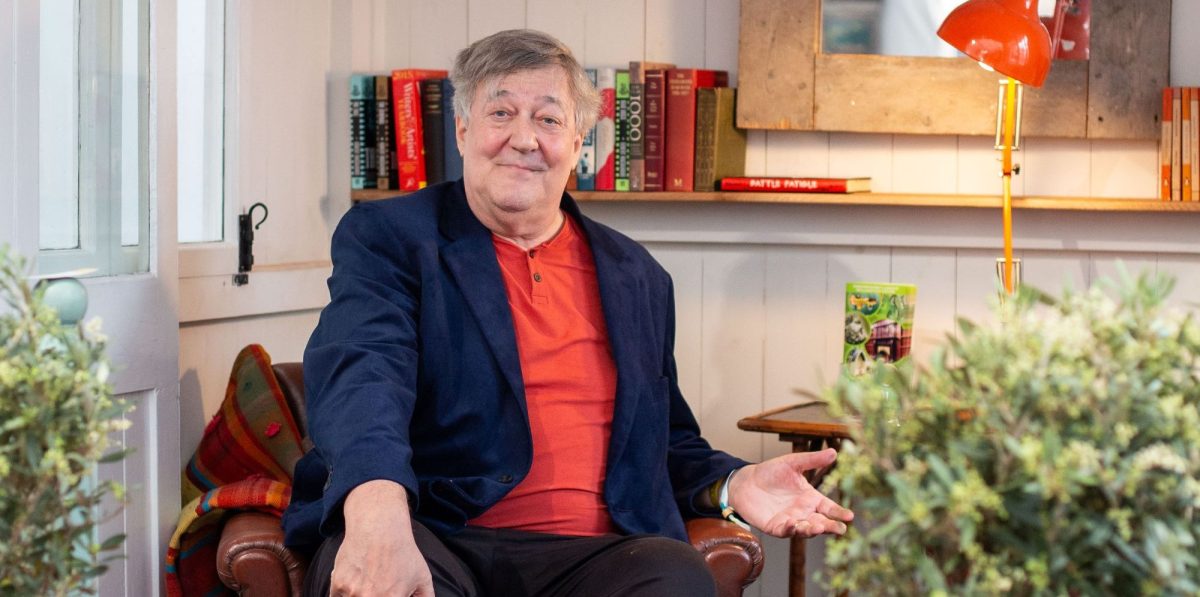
(661, 128)
(1179, 145)
(402, 130)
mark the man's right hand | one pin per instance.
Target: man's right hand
(378, 555)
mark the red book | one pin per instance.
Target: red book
(654, 111)
(679, 152)
(410, 143)
(775, 184)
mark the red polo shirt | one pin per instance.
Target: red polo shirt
(570, 387)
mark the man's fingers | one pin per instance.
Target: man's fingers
(804, 461)
(817, 525)
(831, 509)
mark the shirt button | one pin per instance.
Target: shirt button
(532, 253)
(506, 478)
(537, 277)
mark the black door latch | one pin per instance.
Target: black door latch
(246, 243)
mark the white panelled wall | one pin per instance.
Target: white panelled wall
(759, 288)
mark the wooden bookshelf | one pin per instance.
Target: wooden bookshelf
(868, 199)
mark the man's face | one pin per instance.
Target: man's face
(519, 146)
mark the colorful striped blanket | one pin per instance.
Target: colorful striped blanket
(244, 462)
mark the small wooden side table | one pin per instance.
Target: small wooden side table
(809, 427)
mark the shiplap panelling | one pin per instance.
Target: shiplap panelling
(932, 270)
(857, 154)
(979, 168)
(1186, 270)
(485, 17)
(924, 164)
(615, 32)
(766, 280)
(564, 19)
(1055, 167)
(671, 27)
(1124, 168)
(797, 153)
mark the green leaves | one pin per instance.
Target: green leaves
(58, 418)
(1055, 453)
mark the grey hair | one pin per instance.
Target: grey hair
(516, 50)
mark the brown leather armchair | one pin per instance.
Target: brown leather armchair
(252, 560)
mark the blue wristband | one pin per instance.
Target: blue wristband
(727, 511)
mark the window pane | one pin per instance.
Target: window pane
(201, 120)
(132, 214)
(93, 130)
(58, 126)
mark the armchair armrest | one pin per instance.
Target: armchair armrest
(733, 554)
(252, 560)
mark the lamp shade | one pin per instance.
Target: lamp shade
(1005, 35)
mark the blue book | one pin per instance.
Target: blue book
(454, 162)
(585, 171)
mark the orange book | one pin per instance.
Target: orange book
(1164, 147)
(410, 142)
(1176, 144)
(1185, 151)
(1195, 137)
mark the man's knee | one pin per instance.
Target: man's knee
(662, 566)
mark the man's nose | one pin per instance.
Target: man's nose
(524, 136)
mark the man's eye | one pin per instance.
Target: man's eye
(550, 121)
(500, 113)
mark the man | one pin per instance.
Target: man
(492, 388)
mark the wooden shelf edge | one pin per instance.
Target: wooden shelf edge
(869, 199)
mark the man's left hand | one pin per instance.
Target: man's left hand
(775, 497)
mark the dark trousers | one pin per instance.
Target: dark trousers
(479, 562)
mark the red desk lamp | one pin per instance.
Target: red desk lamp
(1008, 37)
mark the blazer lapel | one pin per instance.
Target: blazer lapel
(623, 317)
(471, 259)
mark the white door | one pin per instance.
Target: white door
(121, 164)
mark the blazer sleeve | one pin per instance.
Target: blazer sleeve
(360, 365)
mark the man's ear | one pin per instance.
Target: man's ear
(460, 131)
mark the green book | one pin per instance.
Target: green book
(879, 321)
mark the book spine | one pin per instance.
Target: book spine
(1195, 135)
(681, 130)
(637, 129)
(682, 84)
(1185, 152)
(385, 150)
(1164, 148)
(706, 148)
(654, 122)
(785, 185)
(410, 141)
(433, 126)
(621, 149)
(410, 161)
(729, 142)
(585, 170)
(359, 123)
(452, 159)
(606, 82)
(1176, 145)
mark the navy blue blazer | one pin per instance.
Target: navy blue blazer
(412, 375)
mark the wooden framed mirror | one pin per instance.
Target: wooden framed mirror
(787, 83)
